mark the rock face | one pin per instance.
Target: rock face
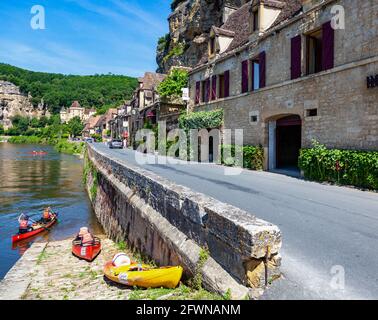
(13, 102)
(189, 28)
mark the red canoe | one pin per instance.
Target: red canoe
(18, 237)
(86, 252)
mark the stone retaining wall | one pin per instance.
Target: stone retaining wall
(172, 224)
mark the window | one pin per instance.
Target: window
(253, 118)
(221, 86)
(314, 52)
(203, 91)
(255, 18)
(255, 74)
(312, 112)
(212, 45)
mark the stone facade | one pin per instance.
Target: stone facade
(335, 106)
(13, 102)
(76, 111)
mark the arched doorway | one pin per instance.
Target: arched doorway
(285, 141)
(288, 141)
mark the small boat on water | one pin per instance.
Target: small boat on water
(86, 251)
(37, 227)
(38, 153)
(143, 275)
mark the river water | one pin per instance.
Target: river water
(28, 184)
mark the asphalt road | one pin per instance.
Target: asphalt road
(328, 231)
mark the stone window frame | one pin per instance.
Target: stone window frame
(256, 114)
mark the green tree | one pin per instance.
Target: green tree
(172, 85)
(75, 127)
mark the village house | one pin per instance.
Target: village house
(148, 107)
(92, 127)
(76, 111)
(288, 72)
(119, 126)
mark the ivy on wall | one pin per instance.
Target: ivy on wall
(202, 120)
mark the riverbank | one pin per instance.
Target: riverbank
(60, 145)
(49, 271)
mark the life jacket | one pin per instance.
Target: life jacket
(87, 238)
(46, 214)
(23, 224)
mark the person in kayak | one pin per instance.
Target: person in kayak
(47, 215)
(25, 225)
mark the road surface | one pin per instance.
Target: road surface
(330, 233)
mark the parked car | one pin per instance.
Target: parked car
(116, 144)
(89, 140)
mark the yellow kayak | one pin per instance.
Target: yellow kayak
(144, 276)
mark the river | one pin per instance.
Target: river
(30, 183)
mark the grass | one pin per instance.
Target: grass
(183, 292)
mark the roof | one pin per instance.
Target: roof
(238, 22)
(75, 104)
(92, 122)
(151, 80)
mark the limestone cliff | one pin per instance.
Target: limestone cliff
(189, 28)
(13, 102)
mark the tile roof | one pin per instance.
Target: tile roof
(238, 22)
(151, 80)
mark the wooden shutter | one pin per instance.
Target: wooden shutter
(227, 84)
(328, 54)
(262, 62)
(214, 87)
(207, 88)
(296, 57)
(198, 92)
(244, 82)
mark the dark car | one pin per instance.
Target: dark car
(116, 144)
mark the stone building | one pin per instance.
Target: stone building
(148, 107)
(288, 72)
(76, 111)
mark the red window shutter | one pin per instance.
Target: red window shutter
(252, 76)
(244, 82)
(328, 54)
(262, 61)
(214, 87)
(296, 57)
(227, 84)
(198, 91)
(207, 88)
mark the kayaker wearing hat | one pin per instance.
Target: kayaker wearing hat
(25, 224)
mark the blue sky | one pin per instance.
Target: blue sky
(84, 36)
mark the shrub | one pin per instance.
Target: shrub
(346, 167)
(201, 120)
(171, 87)
(253, 157)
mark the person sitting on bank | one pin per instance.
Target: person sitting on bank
(25, 225)
(46, 217)
(85, 236)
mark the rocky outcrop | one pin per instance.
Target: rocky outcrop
(13, 102)
(189, 27)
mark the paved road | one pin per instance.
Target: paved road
(324, 227)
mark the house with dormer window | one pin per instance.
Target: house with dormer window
(288, 72)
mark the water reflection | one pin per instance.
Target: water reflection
(28, 183)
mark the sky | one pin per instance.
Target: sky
(83, 36)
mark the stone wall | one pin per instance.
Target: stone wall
(347, 111)
(173, 224)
